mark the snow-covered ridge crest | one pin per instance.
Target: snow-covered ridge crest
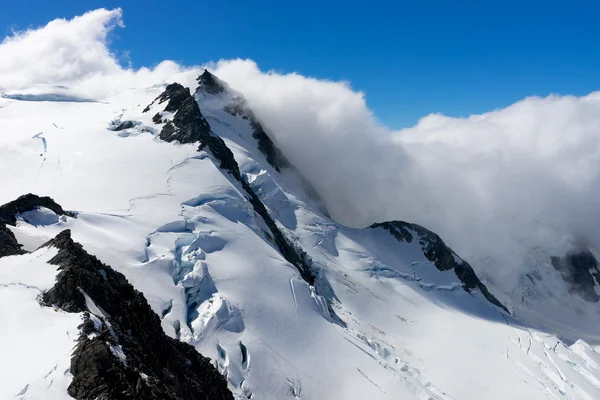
(218, 242)
(224, 98)
(188, 125)
(441, 255)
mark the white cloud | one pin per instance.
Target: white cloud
(73, 53)
(494, 186)
(59, 52)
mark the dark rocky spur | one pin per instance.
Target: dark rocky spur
(440, 255)
(8, 216)
(28, 202)
(123, 353)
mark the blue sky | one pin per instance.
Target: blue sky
(411, 58)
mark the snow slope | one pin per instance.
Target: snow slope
(36, 341)
(380, 321)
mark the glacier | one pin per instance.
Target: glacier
(183, 191)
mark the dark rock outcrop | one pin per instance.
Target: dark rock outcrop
(274, 156)
(294, 255)
(223, 154)
(175, 94)
(28, 202)
(266, 146)
(157, 118)
(439, 254)
(123, 353)
(210, 84)
(581, 272)
(8, 243)
(188, 124)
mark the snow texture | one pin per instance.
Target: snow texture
(380, 322)
(36, 341)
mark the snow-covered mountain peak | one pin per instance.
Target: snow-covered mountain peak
(194, 237)
(210, 84)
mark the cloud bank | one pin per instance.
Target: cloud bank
(495, 186)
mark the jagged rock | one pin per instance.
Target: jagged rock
(175, 94)
(28, 202)
(266, 146)
(124, 354)
(188, 124)
(295, 256)
(274, 156)
(223, 154)
(208, 83)
(581, 272)
(397, 229)
(440, 255)
(8, 243)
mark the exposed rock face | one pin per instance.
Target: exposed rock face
(292, 254)
(28, 202)
(123, 353)
(581, 272)
(8, 243)
(223, 154)
(175, 94)
(274, 156)
(208, 83)
(266, 146)
(439, 254)
(188, 124)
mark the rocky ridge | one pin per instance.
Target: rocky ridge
(122, 351)
(440, 255)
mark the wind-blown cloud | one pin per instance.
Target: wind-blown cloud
(494, 186)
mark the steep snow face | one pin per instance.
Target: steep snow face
(379, 320)
(36, 342)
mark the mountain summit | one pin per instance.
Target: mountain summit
(162, 246)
